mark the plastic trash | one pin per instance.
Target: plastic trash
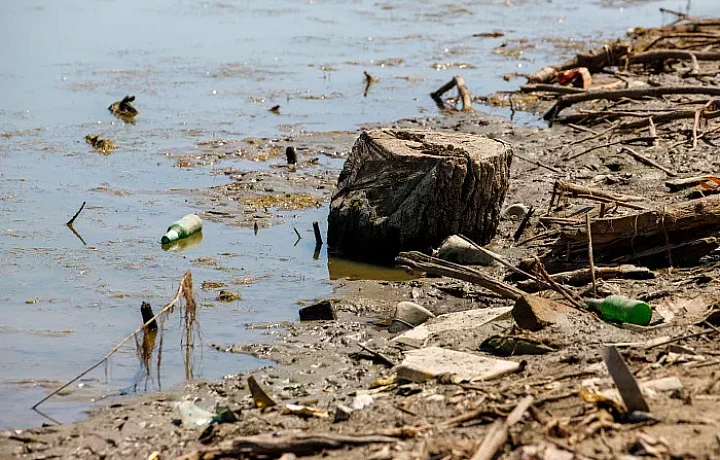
(191, 415)
(183, 228)
(621, 309)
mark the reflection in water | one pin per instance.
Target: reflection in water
(184, 244)
(339, 268)
(72, 229)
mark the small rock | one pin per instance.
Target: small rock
(534, 313)
(228, 296)
(408, 315)
(458, 250)
(361, 400)
(321, 311)
(342, 413)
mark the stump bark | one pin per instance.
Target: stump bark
(404, 190)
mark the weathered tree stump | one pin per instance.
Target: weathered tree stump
(404, 190)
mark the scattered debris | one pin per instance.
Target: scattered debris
(260, 397)
(104, 146)
(460, 321)
(407, 316)
(124, 109)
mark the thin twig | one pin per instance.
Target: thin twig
(647, 161)
(71, 221)
(537, 163)
(591, 259)
(181, 288)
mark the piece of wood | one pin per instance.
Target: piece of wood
(291, 155)
(147, 316)
(591, 193)
(690, 220)
(591, 259)
(72, 221)
(432, 265)
(687, 182)
(634, 93)
(463, 93)
(645, 160)
(276, 444)
(403, 190)
(582, 276)
(497, 435)
(624, 380)
(545, 88)
(595, 60)
(318, 235)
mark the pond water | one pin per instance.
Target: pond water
(202, 71)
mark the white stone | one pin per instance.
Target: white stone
(428, 363)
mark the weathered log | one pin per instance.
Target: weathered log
(582, 191)
(408, 190)
(594, 60)
(583, 276)
(681, 222)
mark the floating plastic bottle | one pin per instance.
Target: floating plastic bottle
(188, 225)
(621, 309)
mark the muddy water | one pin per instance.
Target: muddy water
(200, 71)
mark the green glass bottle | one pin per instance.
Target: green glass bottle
(188, 225)
(621, 309)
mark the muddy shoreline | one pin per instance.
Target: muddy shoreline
(321, 365)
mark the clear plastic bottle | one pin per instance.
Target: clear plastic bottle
(621, 309)
(188, 225)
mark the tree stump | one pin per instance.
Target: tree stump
(404, 190)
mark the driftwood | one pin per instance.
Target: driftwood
(434, 266)
(674, 224)
(463, 94)
(497, 435)
(594, 61)
(635, 93)
(684, 254)
(272, 444)
(687, 182)
(582, 191)
(583, 276)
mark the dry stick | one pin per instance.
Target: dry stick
(610, 144)
(499, 259)
(635, 93)
(679, 338)
(497, 435)
(696, 124)
(681, 35)
(318, 236)
(669, 116)
(71, 221)
(422, 262)
(609, 130)
(569, 296)
(582, 128)
(582, 191)
(537, 163)
(591, 259)
(647, 161)
(462, 92)
(180, 290)
(660, 55)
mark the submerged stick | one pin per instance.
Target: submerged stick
(71, 221)
(463, 93)
(185, 283)
(318, 236)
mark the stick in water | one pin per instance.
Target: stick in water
(187, 278)
(70, 222)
